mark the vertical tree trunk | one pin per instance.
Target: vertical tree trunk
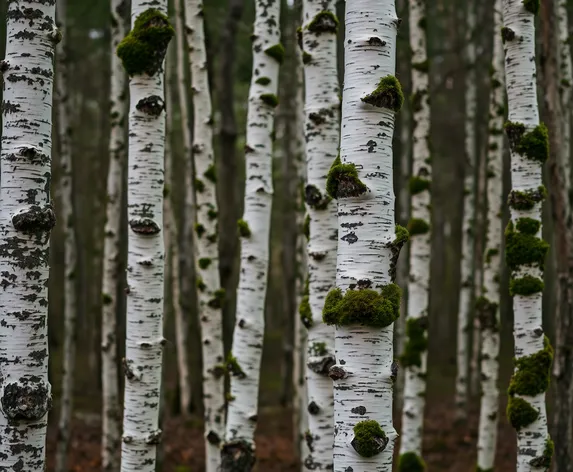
(466, 258)
(181, 320)
(487, 304)
(66, 195)
(210, 294)
(365, 302)
(111, 413)
(557, 100)
(26, 219)
(419, 226)
(244, 362)
(322, 132)
(142, 52)
(525, 250)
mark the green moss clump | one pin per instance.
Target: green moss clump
(402, 236)
(305, 312)
(520, 413)
(532, 373)
(544, 461)
(318, 349)
(343, 182)
(366, 307)
(200, 230)
(200, 284)
(199, 186)
(524, 201)
(423, 66)
(416, 342)
(323, 22)
(533, 144)
(270, 99)
(243, 227)
(388, 94)
(218, 298)
(306, 58)
(526, 285)
(491, 252)
(411, 462)
(306, 227)
(523, 248)
(314, 198)
(106, 298)
(277, 52)
(212, 214)
(369, 438)
(211, 173)
(142, 51)
(233, 367)
(532, 6)
(418, 226)
(204, 262)
(418, 185)
(263, 81)
(507, 34)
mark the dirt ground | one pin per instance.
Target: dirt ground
(447, 448)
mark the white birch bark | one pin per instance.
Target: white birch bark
(566, 74)
(111, 413)
(181, 321)
(210, 295)
(143, 61)
(487, 305)
(238, 450)
(466, 256)
(415, 352)
(524, 249)
(367, 251)
(26, 219)
(66, 199)
(322, 133)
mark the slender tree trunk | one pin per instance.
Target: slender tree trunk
(525, 250)
(366, 302)
(26, 219)
(487, 304)
(244, 362)
(322, 132)
(557, 100)
(181, 320)
(111, 413)
(144, 334)
(466, 258)
(66, 195)
(566, 77)
(419, 226)
(210, 294)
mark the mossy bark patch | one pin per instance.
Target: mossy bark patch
(263, 81)
(416, 342)
(243, 227)
(520, 413)
(532, 373)
(388, 94)
(369, 438)
(314, 198)
(343, 182)
(486, 312)
(277, 52)
(418, 226)
(544, 461)
(270, 99)
(526, 285)
(531, 6)
(411, 462)
(526, 200)
(418, 185)
(533, 144)
(523, 248)
(323, 22)
(366, 307)
(142, 51)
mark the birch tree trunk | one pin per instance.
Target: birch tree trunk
(238, 451)
(487, 304)
(466, 257)
(414, 356)
(142, 52)
(210, 294)
(111, 414)
(66, 196)
(525, 250)
(365, 302)
(181, 320)
(26, 219)
(322, 132)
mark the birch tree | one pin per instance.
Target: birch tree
(238, 451)
(322, 131)
(413, 358)
(466, 257)
(487, 304)
(26, 219)
(365, 302)
(111, 415)
(142, 52)
(210, 294)
(525, 250)
(66, 199)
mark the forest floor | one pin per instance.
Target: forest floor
(447, 447)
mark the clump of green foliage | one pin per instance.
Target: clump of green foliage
(416, 342)
(418, 226)
(388, 94)
(526, 285)
(523, 248)
(369, 438)
(533, 144)
(402, 236)
(411, 462)
(343, 182)
(520, 413)
(243, 227)
(418, 185)
(277, 52)
(532, 373)
(323, 22)
(142, 51)
(366, 307)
